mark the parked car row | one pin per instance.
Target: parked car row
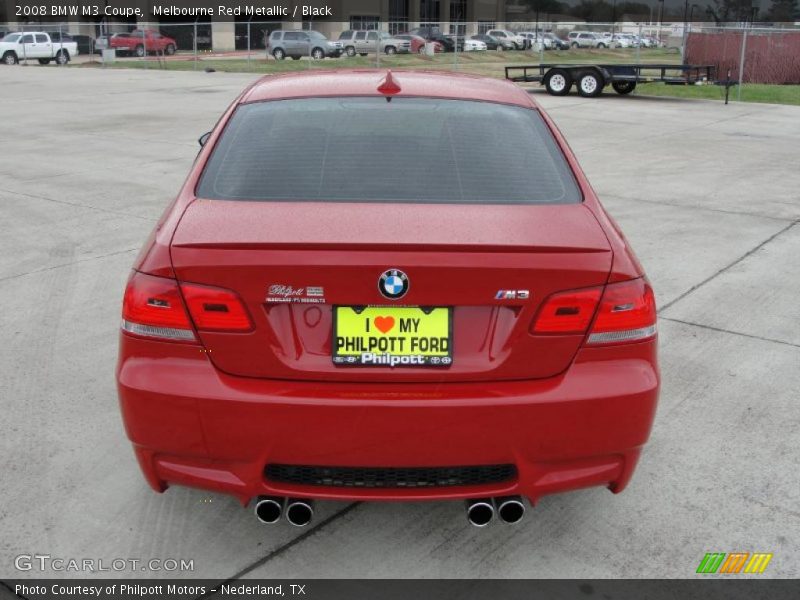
(295, 44)
(607, 39)
(298, 43)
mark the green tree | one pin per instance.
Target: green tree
(783, 11)
(723, 11)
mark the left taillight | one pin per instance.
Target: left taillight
(216, 309)
(160, 307)
(153, 308)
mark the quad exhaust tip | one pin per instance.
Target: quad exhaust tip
(509, 509)
(269, 510)
(299, 512)
(480, 512)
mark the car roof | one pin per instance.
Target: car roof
(365, 82)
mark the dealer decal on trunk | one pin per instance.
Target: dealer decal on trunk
(287, 293)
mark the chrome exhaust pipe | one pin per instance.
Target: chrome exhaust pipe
(510, 509)
(480, 512)
(299, 512)
(269, 509)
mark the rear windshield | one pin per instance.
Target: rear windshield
(369, 150)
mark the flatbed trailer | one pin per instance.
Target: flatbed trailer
(590, 79)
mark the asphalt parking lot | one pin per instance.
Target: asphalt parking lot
(707, 194)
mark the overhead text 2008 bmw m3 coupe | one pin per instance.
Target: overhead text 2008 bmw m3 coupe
(384, 286)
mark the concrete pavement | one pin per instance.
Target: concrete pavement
(707, 195)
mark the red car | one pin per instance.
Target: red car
(351, 299)
(418, 43)
(139, 42)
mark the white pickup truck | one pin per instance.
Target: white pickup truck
(37, 45)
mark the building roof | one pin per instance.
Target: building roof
(365, 82)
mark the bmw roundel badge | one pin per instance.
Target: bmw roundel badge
(393, 284)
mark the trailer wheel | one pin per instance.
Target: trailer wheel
(558, 82)
(623, 87)
(590, 84)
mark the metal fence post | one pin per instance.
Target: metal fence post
(248, 42)
(741, 63)
(639, 47)
(194, 44)
(455, 50)
(60, 42)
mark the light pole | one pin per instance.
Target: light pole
(685, 26)
(691, 11)
(613, 18)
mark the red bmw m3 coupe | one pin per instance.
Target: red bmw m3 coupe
(358, 295)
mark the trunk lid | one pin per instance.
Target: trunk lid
(456, 256)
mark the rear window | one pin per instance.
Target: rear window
(369, 150)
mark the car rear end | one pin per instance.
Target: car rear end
(400, 46)
(450, 325)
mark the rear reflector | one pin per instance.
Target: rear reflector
(627, 313)
(567, 312)
(153, 308)
(216, 309)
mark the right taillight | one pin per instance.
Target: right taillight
(627, 313)
(567, 312)
(153, 308)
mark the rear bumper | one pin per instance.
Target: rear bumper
(192, 425)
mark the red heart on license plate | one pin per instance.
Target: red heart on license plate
(384, 324)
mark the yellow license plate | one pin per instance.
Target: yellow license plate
(402, 336)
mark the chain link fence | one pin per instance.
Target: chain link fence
(745, 53)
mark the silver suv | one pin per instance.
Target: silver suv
(297, 44)
(587, 39)
(361, 41)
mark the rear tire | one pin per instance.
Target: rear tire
(574, 44)
(350, 51)
(390, 50)
(558, 82)
(139, 51)
(170, 50)
(62, 57)
(590, 84)
(623, 87)
(278, 54)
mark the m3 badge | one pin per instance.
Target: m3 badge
(512, 295)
